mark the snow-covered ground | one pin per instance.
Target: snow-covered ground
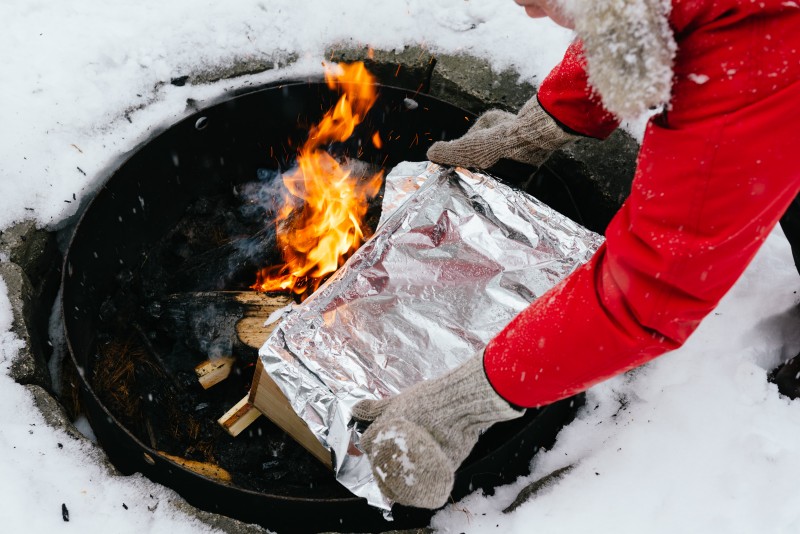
(698, 441)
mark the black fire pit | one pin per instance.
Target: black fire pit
(174, 220)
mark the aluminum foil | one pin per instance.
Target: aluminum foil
(456, 256)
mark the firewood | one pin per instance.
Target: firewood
(250, 329)
(252, 332)
(267, 398)
(212, 372)
(219, 319)
(205, 469)
(239, 417)
(249, 302)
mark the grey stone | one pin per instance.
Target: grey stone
(462, 80)
(220, 522)
(32, 249)
(425, 530)
(472, 84)
(30, 365)
(55, 416)
(36, 252)
(238, 67)
(409, 68)
(610, 163)
(598, 174)
(53, 413)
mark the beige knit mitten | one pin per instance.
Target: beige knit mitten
(529, 137)
(418, 439)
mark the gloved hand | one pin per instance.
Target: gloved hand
(530, 137)
(418, 439)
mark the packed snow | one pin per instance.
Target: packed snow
(697, 441)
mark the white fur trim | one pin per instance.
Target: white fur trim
(629, 48)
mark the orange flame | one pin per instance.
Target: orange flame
(376, 141)
(320, 223)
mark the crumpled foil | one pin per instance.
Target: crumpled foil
(455, 257)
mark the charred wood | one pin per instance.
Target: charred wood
(221, 323)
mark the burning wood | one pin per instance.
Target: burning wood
(250, 329)
(319, 225)
(321, 221)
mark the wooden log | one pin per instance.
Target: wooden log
(252, 332)
(267, 398)
(250, 329)
(239, 417)
(222, 320)
(205, 469)
(212, 372)
(242, 303)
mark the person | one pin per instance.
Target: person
(716, 171)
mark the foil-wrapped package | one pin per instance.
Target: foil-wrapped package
(456, 256)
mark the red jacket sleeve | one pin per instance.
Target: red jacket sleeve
(566, 95)
(709, 187)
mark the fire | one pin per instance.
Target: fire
(320, 223)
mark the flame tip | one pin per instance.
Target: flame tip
(326, 227)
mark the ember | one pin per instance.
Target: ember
(320, 223)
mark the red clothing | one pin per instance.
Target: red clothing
(714, 175)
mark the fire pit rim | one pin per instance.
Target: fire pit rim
(87, 388)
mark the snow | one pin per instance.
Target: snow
(399, 443)
(699, 79)
(88, 65)
(702, 443)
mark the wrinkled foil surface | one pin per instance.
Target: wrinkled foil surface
(456, 256)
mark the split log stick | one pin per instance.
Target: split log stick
(250, 329)
(239, 417)
(205, 469)
(212, 372)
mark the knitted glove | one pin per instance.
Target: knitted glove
(529, 137)
(418, 439)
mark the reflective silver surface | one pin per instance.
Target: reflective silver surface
(456, 256)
